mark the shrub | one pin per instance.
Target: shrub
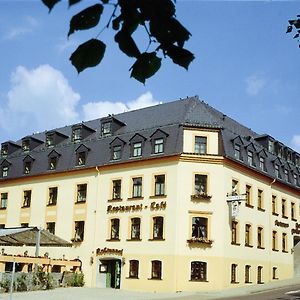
(76, 279)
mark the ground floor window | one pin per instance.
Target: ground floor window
(198, 271)
(133, 269)
(156, 269)
(259, 274)
(247, 274)
(233, 273)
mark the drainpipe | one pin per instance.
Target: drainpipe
(270, 228)
(37, 247)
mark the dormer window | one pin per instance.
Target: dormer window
(158, 141)
(116, 152)
(271, 146)
(50, 140)
(4, 171)
(106, 129)
(250, 158)
(4, 150)
(53, 157)
(262, 163)
(295, 177)
(76, 134)
(25, 145)
(200, 145)
(52, 163)
(137, 149)
(286, 175)
(27, 167)
(237, 152)
(159, 145)
(277, 173)
(27, 164)
(81, 157)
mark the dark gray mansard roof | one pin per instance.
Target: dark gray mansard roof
(169, 117)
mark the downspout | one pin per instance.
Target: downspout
(270, 228)
(93, 261)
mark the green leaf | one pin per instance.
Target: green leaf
(180, 56)
(116, 22)
(72, 2)
(88, 54)
(289, 29)
(86, 19)
(145, 66)
(50, 3)
(127, 44)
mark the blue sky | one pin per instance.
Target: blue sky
(245, 66)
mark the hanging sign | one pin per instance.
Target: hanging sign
(235, 209)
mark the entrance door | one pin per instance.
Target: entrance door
(110, 272)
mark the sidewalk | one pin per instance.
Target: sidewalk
(112, 294)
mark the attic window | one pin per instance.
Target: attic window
(286, 175)
(159, 145)
(25, 145)
(4, 150)
(262, 163)
(277, 173)
(27, 167)
(50, 140)
(106, 128)
(4, 171)
(271, 147)
(76, 135)
(250, 158)
(52, 163)
(81, 158)
(237, 152)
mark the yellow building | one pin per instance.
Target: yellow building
(174, 197)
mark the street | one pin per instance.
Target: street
(274, 294)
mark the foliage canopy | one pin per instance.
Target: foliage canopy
(166, 34)
(294, 26)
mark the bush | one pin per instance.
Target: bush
(76, 279)
(21, 283)
(42, 280)
(5, 284)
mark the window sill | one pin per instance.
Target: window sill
(261, 282)
(195, 280)
(3, 208)
(248, 282)
(249, 246)
(275, 214)
(234, 282)
(261, 209)
(131, 278)
(293, 219)
(80, 202)
(285, 251)
(249, 205)
(276, 250)
(158, 279)
(51, 204)
(27, 206)
(76, 241)
(115, 200)
(258, 247)
(157, 239)
(135, 198)
(113, 240)
(158, 196)
(285, 217)
(235, 244)
(134, 240)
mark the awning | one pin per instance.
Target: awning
(20, 236)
